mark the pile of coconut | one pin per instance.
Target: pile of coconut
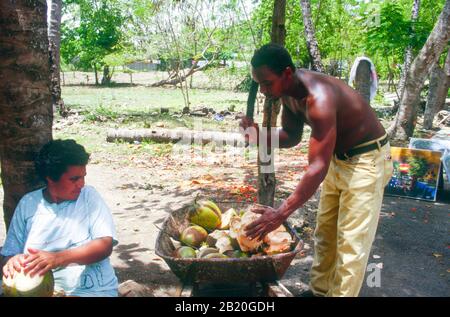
(213, 234)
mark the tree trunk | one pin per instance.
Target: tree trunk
(54, 36)
(405, 120)
(408, 53)
(106, 80)
(266, 164)
(311, 42)
(96, 74)
(362, 80)
(439, 84)
(25, 97)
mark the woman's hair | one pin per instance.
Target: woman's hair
(57, 155)
(274, 56)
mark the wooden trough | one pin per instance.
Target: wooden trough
(267, 269)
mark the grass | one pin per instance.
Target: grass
(139, 99)
(137, 107)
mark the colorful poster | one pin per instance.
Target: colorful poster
(416, 173)
(440, 145)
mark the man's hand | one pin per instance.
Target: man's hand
(270, 220)
(14, 264)
(39, 262)
(249, 129)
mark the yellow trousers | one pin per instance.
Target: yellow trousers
(349, 208)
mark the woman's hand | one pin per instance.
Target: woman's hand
(39, 262)
(14, 264)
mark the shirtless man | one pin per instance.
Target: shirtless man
(348, 152)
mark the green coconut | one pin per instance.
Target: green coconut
(23, 285)
(206, 214)
(193, 236)
(185, 252)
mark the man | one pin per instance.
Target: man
(65, 227)
(348, 152)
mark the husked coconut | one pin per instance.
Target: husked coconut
(205, 251)
(23, 285)
(235, 226)
(278, 242)
(224, 244)
(226, 218)
(212, 238)
(238, 227)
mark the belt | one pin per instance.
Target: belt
(363, 149)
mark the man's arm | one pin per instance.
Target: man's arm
(321, 148)
(292, 128)
(39, 262)
(322, 117)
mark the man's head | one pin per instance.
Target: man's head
(62, 165)
(272, 69)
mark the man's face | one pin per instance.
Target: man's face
(270, 84)
(69, 186)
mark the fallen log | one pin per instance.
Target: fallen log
(175, 136)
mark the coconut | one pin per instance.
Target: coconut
(185, 252)
(205, 214)
(215, 256)
(23, 285)
(203, 252)
(278, 242)
(238, 228)
(236, 254)
(193, 236)
(235, 226)
(225, 244)
(226, 218)
(212, 238)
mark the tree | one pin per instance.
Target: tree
(439, 84)
(311, 42)
(54, 38)
(405, 120)
(266, 174)
(97, 32)
(25, 100)
(409, 49)
(362, 79)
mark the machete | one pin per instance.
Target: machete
(251, 100)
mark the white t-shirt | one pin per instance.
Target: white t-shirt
(55, 227)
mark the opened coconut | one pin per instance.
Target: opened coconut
(238, 226)
(203, 252)
(205, 214)
(23, 285)
(214, 236)
(226, 218)
(193, 236)
(278, 242)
